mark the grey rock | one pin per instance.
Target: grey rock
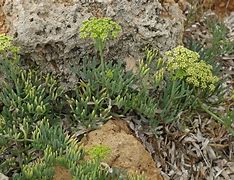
(3, 177)
(48, 31)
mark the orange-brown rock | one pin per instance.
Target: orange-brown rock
(61, 173)
(221, 7)
(126, 151)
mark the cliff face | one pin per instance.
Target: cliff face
(48, 31)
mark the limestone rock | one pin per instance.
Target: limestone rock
(48, 31)
(3, 177)
(126, 151)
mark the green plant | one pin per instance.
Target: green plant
(98, 92)
(30, 98)
(187, 79)
(59, 149)
(164, 96)
(45, 135)
(219, 45)
(176, 97)
(179, 79)
(142, 104)
(115, 90)
(89, 107)
(160, 96)
(114, 79)
(9, 58)
(184, 64)
(100, 30)
(99, 152)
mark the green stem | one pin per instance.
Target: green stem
(206, 109)
(102, 59)
(20, 140)
(168, 105)
(100, 48)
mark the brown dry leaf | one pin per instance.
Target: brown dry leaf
(211, 153)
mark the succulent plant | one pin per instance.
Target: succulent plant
(100, 30)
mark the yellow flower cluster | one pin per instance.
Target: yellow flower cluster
(99, 28)
(183, 63)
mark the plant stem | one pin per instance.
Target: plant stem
(100, 48)
(20, 140)
(169, 103)
(211, 113)
(102, 59)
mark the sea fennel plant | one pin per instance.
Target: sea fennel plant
(100, 30)
(182, 78)
(26, 101)
(190, 77)
(9, 58)
(184, 64)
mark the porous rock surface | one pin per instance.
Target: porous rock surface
(3, 177)
(126, 151)
(48, 31)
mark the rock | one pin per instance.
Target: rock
(48, 31)
(126, 151)
(61, 173)
(3, 177)
(221, 7)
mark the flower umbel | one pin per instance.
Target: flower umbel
(100, 30)
(186, 64)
